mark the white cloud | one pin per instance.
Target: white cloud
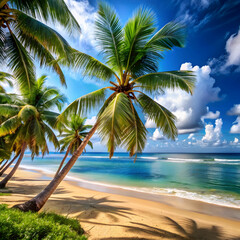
(213, 134)
(190, 136)
(235, 110)
(211, 115)
(91, 121)
(157, 135)
(190, 109)
(236, 126)
(85, 15)
(150, 124)
(223, 63)
(236, 140)
(233, 49)
(190, 130)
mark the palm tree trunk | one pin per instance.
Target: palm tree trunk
(3, 165)
(36, 203)
(9, 164)
(9, 176)
(62, 162)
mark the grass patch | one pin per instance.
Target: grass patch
(15, 224)
(4, 194)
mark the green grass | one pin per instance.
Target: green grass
(4, 194)
(15, 224)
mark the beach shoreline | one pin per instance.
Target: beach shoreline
(171, 200)
(106, 215)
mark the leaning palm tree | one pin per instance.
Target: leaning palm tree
(31, 121)
(24, 36)
(74, 131)
(131, 56)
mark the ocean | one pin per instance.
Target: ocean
(212, 178)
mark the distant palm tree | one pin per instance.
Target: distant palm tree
(74, 133)
(24, 37)
(132, 54)
(5, 78)
(31, 120)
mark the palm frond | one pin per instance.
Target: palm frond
(85, 103)
(21, 63)
(114, 120)
(109, 35)
(9, 110)
(45, 57)
(135, 135)
(50, 118)
(159, 81)
(27, 112)
(51, 136)
(9, 126)
(90, 66)
(163, 118)
(136, 32)
(2, 45)
(6, 77)
(90, 144)
(57, 11)
(173, 34)
(29, 28)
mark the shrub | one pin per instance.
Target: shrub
(15, 224)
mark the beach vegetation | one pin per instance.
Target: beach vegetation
(27, 226)
(130, 65)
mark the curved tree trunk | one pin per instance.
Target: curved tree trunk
(36, 203)
(3, 165)
(9, 176)
(62, 162)
(9, 164)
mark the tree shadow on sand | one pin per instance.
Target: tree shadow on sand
(191, 231)
(92, 207)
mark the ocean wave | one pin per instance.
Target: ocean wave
(226, 160)
(185, 159)
(222, 200)
(211, 160)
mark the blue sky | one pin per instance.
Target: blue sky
(208, 121)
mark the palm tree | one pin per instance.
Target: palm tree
(5, 78)
(24, 37)
(131, 54)
(31, 120)
(5, 148)
(74, 133)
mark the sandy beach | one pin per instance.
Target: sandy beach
(107, 215)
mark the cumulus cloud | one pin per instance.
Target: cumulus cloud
(213, 134)
(157, 135)
(210, 115)
(235, 142)
(235, 110)
(236, 126)
(233, 49)
(188, 109)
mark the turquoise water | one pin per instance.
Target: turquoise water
(208, 177)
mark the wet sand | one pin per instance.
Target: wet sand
(113, 213)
